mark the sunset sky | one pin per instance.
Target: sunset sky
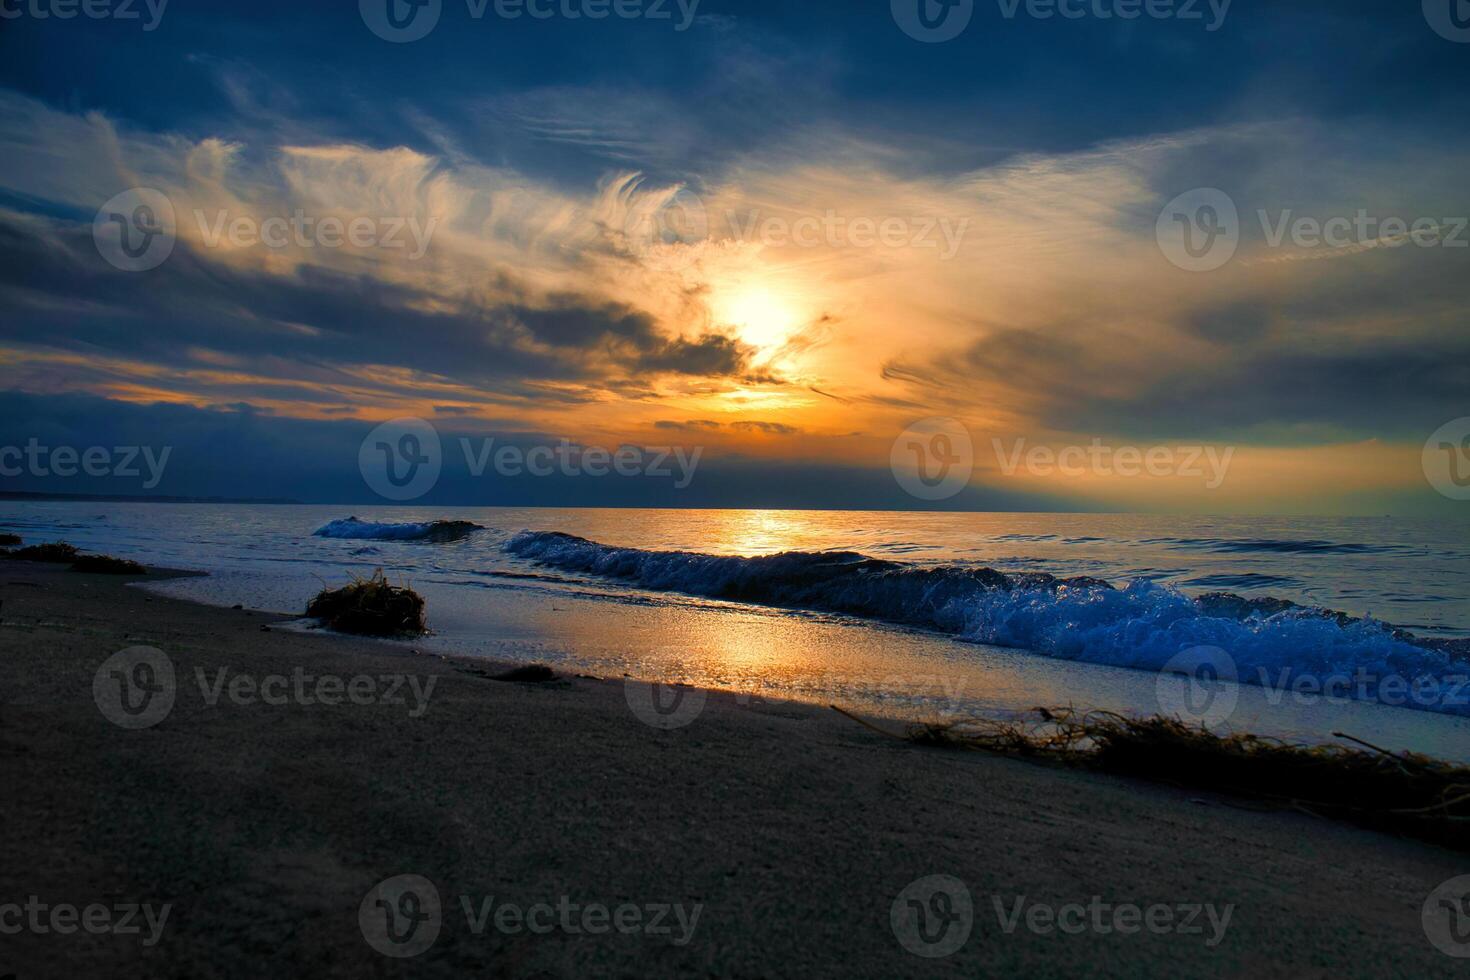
(782, 234)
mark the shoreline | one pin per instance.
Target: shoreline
(794, 830)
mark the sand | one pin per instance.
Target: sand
(792, 830)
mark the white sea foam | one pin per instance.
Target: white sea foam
(1142, 625)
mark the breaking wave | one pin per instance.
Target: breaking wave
(437, 532)
(1141, 625)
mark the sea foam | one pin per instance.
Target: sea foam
(1141, 625)
(437, 532)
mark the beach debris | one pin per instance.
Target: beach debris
(370, 607)
(9, 540)
(57, 551)
(1397, 792)
(107, 565)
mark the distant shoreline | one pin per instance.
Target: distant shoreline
(123, 498)
(916, 508)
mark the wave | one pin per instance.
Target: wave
(1141, 625)
(1287, 546)
(1243, 580)
(437, 532)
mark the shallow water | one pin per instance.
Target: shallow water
(485, 601)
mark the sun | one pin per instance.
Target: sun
(764, 316)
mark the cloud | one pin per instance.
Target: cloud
(687, 425)
(768, 428)
(553, 300)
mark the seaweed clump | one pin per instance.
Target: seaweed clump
(61, 553)
(57, 551)
(1401, 793)
(370, 607)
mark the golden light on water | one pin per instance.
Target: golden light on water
(756, 532)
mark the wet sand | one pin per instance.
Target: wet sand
(791, 831)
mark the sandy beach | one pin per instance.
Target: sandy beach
(566, 836)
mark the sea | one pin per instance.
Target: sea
(1305, 629)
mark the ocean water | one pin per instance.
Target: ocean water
(903, 614)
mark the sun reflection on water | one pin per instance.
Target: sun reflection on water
(757, 532)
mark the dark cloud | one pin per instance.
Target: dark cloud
(692, 424)
(61, 294)
(769, 428)
(1342, 348)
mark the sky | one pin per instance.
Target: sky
(802, 240)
